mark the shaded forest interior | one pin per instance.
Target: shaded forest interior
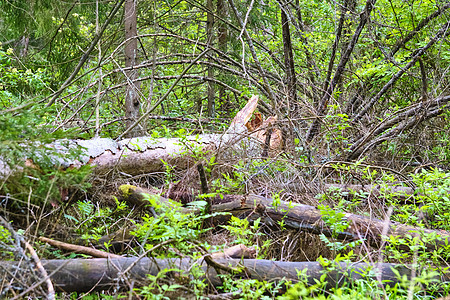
(224, 149)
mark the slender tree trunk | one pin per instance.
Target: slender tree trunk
(323, 105)
(132, 103)
(289, 61)
(222, 38)
(210, 39)
(99, 88)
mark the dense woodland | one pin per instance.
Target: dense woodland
(224, 149)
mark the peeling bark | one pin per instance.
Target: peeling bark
(143, 155)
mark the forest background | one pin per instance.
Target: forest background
(357, 91)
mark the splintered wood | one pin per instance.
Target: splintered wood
(264, 131)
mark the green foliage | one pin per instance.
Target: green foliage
(431, 205)
(250, 288)
(169, 223)
(301, 290)
(242, 231)
(157, 291)
(433, 189)
(171, 33)
(17, 82)
(24, 137)
(6, 244)
(93, 222)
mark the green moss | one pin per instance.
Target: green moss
(125, 190)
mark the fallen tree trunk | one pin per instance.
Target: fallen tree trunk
(307, 218)
(82, 275)
(142, 155)
(310, 219)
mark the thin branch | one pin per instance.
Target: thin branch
(335, 45)
(322, 109)
(78, 248)
(254, 55)
(40, 267)
(401, 43)
(419, 112)
(443, 32)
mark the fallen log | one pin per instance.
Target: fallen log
(82, 275)
(395, 191)
(143, 155)
(375, 189)
(310, 219)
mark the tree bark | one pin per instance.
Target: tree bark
(310, 219)
(209, 42)
(144, 155)
(222, 37)
(289, 62)
(442, 33)
(83, 275)
(132, 102)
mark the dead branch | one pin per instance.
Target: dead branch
(406, 120)
(29, 281)
(309, 219)
(78, 249)
(37, 261)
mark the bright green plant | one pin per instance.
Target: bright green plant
(156, 290)
(92, 222)
(433, 194)
(24, 138)
(171, 222)
(6, 244)
(182, 230)
(250, 288)
(242, 231)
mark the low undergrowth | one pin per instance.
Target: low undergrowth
(166, 231)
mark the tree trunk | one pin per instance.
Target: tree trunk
(209, 42)
(323, 105)
(146, 155)
(222, 38)
(310, 219)
(83, 275)
(132, 103)
(289, 62)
